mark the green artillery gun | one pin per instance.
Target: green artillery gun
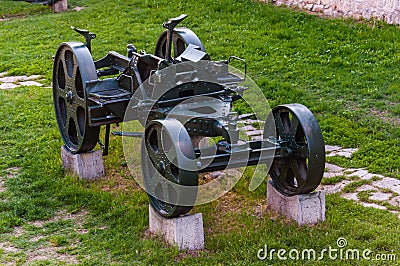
(179, 95)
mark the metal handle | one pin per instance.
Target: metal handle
(239, 59)
(89, 36)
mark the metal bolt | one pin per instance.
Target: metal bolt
(70, 96)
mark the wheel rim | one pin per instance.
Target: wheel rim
(301, 167)
(73, 67)
(181, 38)
(161, 158)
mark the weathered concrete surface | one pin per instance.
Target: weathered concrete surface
(60, 6)
(304, 209)
(185, 231)
(85, 165)
(387, 10)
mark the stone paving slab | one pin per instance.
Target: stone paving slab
(373, 205)
(30, 83)
(388, 183)
(333, 168)
(13, 79)
(351, 196)
(332, 174)
(344, 153)
(395, 201)
(370, 176)
(8, 86)
(330, 189)
(12, 82)
(380, 196)
(330, 148)
(251, 121)
(248, 128)
(383, 189)
(2, 188)
(254, 132)
(359, 173)
(366, 187)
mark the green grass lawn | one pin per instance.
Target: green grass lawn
(346, 72)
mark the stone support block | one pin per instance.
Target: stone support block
(306, 209)
(85, 165)
(185, 231)
(60, 6)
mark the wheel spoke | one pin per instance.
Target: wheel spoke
(60, 93)
(153, 155)
(301, 152)
(159, 140)
(80, 102)
(283, 172)
(78, 130)
(64, 66)
(294, 127)
(298, 172)
(283, 125)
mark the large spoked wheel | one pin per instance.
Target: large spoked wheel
(181, 38)
(169, 167)
(73, 67)
(299, 164)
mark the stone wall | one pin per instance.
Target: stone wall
(387, 10)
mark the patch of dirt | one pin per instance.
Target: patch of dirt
(46, 250)
(230, 202)
(10, 173)
(18, 231)
(6, 17)
(386, 117)
(2, 188)
(8, 248)
(62, 215)
(189, 254)
(52, 254)
(115, 182)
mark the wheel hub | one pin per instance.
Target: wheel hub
(70, 97)
(287, 152)
(161, 167)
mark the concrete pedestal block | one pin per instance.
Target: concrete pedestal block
(85, 165)
(304, 209)
(186, 231)
(60, 6)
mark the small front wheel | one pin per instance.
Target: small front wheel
(299, 167)
(169, 167)
(73, 67)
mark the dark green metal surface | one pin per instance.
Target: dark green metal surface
(73, 67)
(180, 96)
(168, 151)
(299, 166)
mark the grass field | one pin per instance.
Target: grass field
(346, 72)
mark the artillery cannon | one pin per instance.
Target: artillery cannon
(180, 96)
